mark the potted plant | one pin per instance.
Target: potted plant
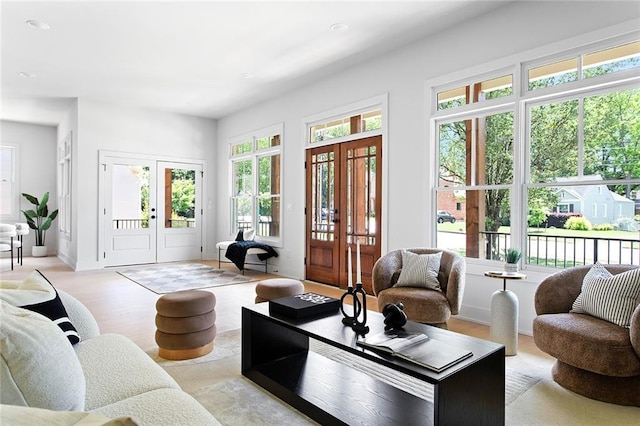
(39, 220)
(512, 258)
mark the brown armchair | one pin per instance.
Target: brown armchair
(594, 358)
(421, 304)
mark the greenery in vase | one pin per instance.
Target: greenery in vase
(39, 218)
(513, 255)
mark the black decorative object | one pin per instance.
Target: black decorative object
(359, 299)
(394, 316)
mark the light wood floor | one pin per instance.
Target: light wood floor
(124, 307)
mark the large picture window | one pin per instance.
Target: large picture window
(256, 184)
(555, 172)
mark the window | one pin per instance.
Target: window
(8, 188)
(342, 126)
(64, 187)
(256, 184)
(545, 170)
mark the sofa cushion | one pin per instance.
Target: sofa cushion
(609, 297)
(161, 407)
(38, 367)
(116, 368)
(28, 416)
(420, 270)
(587, 342)
(37, 294)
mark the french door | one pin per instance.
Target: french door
(343, 207)
(152, 211)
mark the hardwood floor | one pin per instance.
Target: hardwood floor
(122, 306)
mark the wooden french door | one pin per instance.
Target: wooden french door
(343, 206)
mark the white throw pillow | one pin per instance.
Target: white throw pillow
(609, 297)
(420, 270)
(38, 366)
(249, 234)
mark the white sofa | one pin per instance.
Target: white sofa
(120, 380)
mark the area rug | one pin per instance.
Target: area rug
(188, 276)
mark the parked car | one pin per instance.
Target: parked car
(445, 216)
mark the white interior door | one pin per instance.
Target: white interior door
(129, 211)
(152, 211)
(179, 218)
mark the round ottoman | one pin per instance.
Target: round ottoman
(277, 287)
(186, 324)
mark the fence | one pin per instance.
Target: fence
(567, 251)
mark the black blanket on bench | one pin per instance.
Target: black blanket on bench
(237, 252)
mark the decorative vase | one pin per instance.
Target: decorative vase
(39, 251)
(511, 268)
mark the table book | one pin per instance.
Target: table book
(417, 348)
(304, 305)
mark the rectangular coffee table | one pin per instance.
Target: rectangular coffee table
(276, 356)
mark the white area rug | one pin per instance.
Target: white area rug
(189, 276)
(216, 382)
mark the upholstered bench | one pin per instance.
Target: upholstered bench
(275, 288)
(185, 323)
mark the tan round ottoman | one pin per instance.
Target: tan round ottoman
(186, 324)
(277, 287)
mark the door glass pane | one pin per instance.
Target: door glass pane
(180, 198)
(322, 197)
(361, 202)
(130, 196)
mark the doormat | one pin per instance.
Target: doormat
(167, 279)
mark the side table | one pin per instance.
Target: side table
(504, 312)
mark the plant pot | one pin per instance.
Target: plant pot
(511, 268)
(39, 251)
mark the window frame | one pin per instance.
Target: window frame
(520, 101)
(254, 155)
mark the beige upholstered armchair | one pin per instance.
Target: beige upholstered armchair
(421, 304)
(594, 357)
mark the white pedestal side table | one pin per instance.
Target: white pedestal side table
(504, 312)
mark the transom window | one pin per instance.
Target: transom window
(346, 125)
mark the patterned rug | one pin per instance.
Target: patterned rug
(190, 276)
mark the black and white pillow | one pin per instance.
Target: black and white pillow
(609, 297)
(37, 294)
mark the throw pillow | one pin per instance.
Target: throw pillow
(38, 368)
(420, 270)
(249, 235)
(609, 297)
(37, 294)
(240, 236)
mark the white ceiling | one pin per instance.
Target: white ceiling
(193, 57)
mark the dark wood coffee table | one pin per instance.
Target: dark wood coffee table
(276, 356)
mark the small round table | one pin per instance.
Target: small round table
(504, 312)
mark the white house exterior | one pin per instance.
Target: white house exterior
(596, 202)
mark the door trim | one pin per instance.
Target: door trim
(102, 155)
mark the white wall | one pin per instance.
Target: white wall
(161, 135)
(36, 173)
(511, 31)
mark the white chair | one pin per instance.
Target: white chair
(7, 236)
(22, 229)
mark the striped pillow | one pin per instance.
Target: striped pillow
(420, 270)
(37, 294)
(609, 297)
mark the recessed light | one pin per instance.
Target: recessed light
(27, 75)
(37, 24)
(247, 75)
(339, 27)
